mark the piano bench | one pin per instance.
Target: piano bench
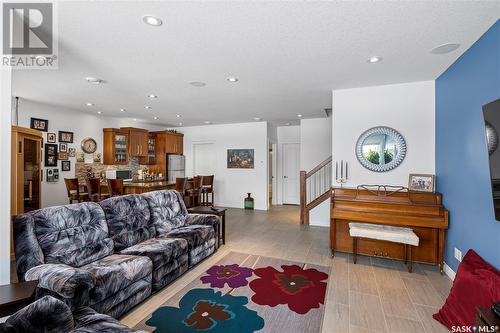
(405, 236)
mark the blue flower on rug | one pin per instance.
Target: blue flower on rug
(204, 310)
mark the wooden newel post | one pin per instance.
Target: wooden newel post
(303, 203)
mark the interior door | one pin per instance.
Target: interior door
(291, 174)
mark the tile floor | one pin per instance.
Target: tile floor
(375, 295)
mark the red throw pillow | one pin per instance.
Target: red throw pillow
(477, 283)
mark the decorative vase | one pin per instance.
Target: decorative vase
(249, 202)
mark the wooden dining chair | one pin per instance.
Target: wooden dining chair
(115, 187)
(180, 185)
(73, 188)
(194, 192)
(94, 189)
(207, 189)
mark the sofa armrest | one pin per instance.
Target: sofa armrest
(46, 314)
(206, 219)
(203, 219)
(65, 281)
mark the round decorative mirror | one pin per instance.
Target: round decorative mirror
(381, 149)
(491, 138)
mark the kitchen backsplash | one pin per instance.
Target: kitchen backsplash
(99, 168)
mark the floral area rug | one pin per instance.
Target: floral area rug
(246, 293)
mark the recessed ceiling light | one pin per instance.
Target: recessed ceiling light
(147, 107)
(207, 122)
(152, 96)
(99, 112)
(151, 20)
(180, 124)
(299, 115)
(90, 104)
(197, 84)
(156, 118)
(374, 60)
(257, 118)
(287, 124)
(123, 110)
(135, 119)
(178, 115)
(445, 48)
(232, 79)
(93, 80)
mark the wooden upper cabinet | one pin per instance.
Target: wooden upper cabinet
(115, 147)
(151, 150)
(174, 143)
(138, 141)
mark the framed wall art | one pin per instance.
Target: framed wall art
(66, 137)
(240, 158)
(39, 124)
(50, 155)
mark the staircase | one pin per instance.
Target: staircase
(315, 187)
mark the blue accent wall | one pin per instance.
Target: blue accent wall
(462, 166)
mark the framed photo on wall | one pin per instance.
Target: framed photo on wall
(63, 156)
(66, 137)
(50, 155)
(240, 159)
(66, 166)
(51, 137)
(63, 147)
(421, 182)
(72, 152)
(39, 124)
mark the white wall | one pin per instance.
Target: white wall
(315, 142)
(5, 147)
(232, 185)
(408, 108)
(315, 147)
(286, 134)
(82, 125)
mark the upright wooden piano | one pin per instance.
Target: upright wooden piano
(396, 206)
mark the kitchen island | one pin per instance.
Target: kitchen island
(138, 187)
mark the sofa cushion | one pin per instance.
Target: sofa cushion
(476, 284)
(116, 272)
(195, 235)
(128, 220)
(168, 210)
(89, 321)
(74, 235)
(161, 251)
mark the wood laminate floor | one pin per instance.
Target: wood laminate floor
(375, 295)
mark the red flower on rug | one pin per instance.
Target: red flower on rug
(301, 289)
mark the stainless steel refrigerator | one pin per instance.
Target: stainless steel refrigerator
(176, 165)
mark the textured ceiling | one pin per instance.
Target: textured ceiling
(288, 56)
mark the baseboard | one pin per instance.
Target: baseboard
(449, 272)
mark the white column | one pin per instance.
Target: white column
(5, 147)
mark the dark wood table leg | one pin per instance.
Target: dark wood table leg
(441, 251)
(224, 228)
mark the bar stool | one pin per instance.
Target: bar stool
(73, 189)
(94, 189)
(115, 187)
(194, 192)
(180, 185)
(207, 189)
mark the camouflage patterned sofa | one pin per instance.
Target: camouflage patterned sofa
(50, 315)
(111, 255)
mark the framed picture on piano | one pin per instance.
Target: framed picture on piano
(421, 182)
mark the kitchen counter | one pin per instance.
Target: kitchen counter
(137, 187)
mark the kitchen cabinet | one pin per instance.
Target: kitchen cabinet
(150, 158)
(115, 147)
(174, 143)
(138, 141)
(167, 143)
